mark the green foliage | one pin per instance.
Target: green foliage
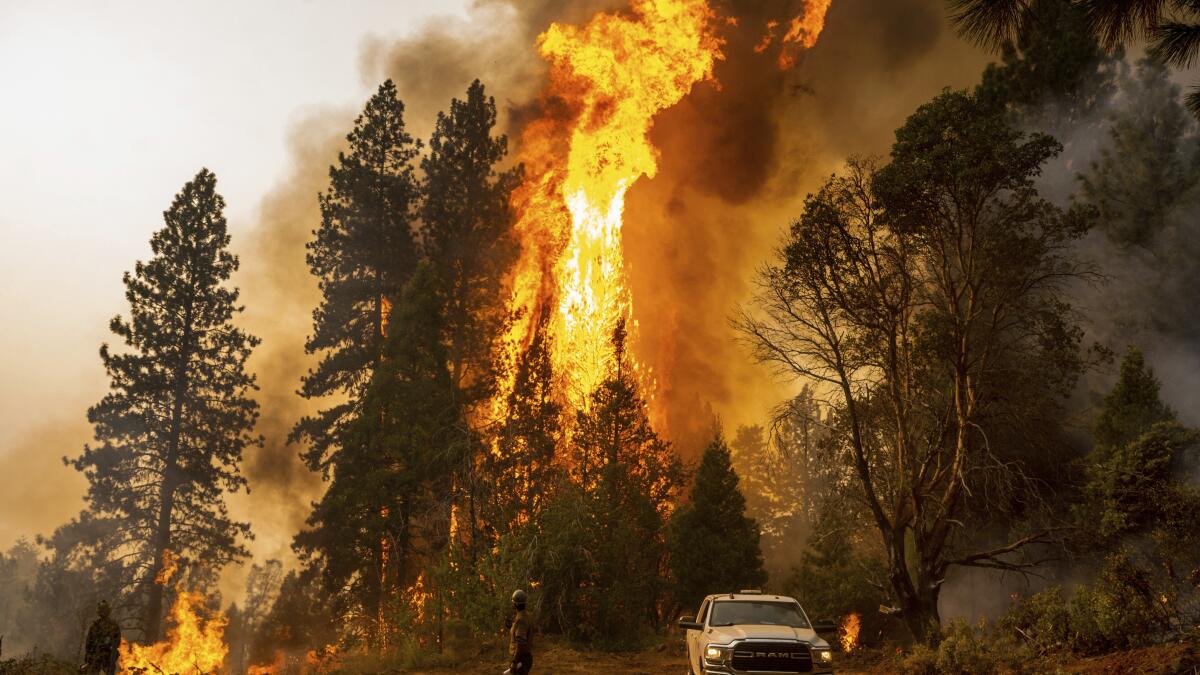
(602, 559)
(1132, 407)
(362, 255)
(1147, 177)
(171, 432)
(1122, 608)
(1043, 620)
(1132, 485)
(714, 547)
(929, 293)
(841, 571)
(395, 463)
(466, 221)
(1053, 72)
(964, 650)
(523, 472)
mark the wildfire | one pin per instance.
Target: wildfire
(849, 632)
(195, 642)
(802, 33)
(608, 80)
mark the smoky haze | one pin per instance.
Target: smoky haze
(737, 158)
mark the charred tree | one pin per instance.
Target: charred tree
(171, 432)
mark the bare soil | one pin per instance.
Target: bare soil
(1168, 659)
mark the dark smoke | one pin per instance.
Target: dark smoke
(738, 158)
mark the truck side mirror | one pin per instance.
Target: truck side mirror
(825, 626)
(689, 623)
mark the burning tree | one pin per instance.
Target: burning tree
(170, 434)
(925, 300)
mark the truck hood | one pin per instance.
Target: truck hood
(727, 634)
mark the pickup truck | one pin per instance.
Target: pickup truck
(748, 632)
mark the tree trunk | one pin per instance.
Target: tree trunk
(166, 504)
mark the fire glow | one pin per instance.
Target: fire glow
(608, 81)
(195, 642)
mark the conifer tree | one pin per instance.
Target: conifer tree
(170, 434)
(393, 470)
(1133, 484)
(362, 255)
(466, 238)
(714, 546)
(1150, 166)
(466, 221)
(1133, 405)
(523, 470)
(629, 476)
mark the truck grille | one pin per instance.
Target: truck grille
(777, 657)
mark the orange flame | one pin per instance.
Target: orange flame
(608, 81)
(194, 644)
(849, 632)
(802, 33)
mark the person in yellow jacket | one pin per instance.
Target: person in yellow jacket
(520, 638)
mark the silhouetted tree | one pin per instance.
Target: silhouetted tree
(169, 436)
(713, 544)
(393, 470)
(362, 255)
(1171, 27)
(926, 296)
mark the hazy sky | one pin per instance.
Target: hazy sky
(106, 109)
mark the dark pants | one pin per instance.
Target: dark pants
(526, 661)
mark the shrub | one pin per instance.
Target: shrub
(1043, 620)
(1120, 609)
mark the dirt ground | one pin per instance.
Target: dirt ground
(1170, 659)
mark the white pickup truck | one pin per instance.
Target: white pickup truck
(748, 632)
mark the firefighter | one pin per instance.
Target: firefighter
(103, 644)
(520, 634)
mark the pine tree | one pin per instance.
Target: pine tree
(629, 478)
(714, 546)
(466, 236)
(393, 471)
(1150, 165)
(171, 432)
(363, 254)
(523, 470)
(1133, 405)
(1053, 74)
(1132, 483)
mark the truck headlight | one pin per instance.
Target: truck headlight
(824, 656)
(714, 653)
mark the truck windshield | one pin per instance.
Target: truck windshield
(757, 612)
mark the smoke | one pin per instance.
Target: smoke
(737, 159)
(38, 493)
(279, 294)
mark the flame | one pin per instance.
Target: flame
(194, 644)
(170, 565)
(802, 33)
(326, 659)
(849, 632)
(608, 81)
